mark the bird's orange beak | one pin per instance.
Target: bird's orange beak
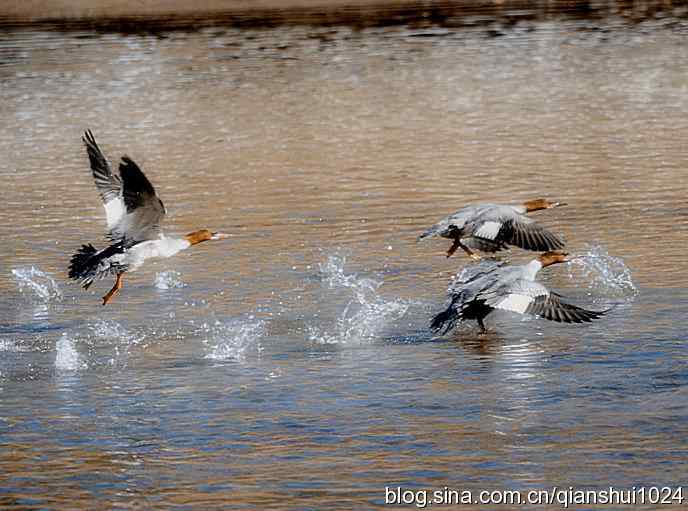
(219, 236)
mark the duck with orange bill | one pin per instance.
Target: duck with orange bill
(496, 285)
(493, 227)
(133, 214)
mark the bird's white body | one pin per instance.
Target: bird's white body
(114, 211)
(530, 270)
(160, 248)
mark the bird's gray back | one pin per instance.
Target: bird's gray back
(458, 220)
(478, 279)
(487, 286)
(497, 213)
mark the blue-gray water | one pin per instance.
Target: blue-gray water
(291, 366)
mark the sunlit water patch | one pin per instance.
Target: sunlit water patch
(365, 314)
(233, 340)
(603, 274)
(37, 284)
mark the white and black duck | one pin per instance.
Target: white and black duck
(133, 213)
(493, 227)
(496, 285)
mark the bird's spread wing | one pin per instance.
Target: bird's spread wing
(109, 185)
(144, 210)
(484, 245)
(518, 230)
(526, 297)
(524, 232)
(133, 211)
(551, 307)
(516, 296)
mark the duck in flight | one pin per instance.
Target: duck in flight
(133, 213)
(492, 227)
(494, 285)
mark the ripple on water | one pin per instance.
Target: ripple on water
(604, 274)
(366, 312)
(36, 284)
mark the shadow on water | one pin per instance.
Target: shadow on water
(483, 345)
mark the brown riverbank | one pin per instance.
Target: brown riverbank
(170, 14)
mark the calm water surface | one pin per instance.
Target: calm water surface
(291, 366)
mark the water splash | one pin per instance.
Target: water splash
(105, 329)
(364, 315)
(37, 284)
(66, 357)
(234, 340)
(604, 274)
(168, 280)
(10, 346)
(109, 336)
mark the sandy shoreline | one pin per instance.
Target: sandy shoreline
(169, 14)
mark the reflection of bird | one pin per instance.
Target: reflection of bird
(133, 213)
(491, 227)
(494, 285)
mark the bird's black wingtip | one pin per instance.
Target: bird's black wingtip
(444, 321)
(590, 316)
(604, 312)
(128, 164)
(89, 139)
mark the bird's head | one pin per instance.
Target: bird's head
(553, 257)
(538, 204)
(204, 235)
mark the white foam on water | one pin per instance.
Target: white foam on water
(168, 280)
(66, 357)
(603, 274)
(366, 313)
(234, 340)
(37, 284)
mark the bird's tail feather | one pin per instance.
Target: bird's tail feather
(88, 263)
(429, 232)
(83, 263)
(423, 236)
(445, 320)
